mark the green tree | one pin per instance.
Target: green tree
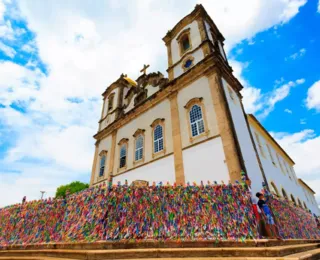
(72, 187)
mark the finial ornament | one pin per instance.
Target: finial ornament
(144, 70)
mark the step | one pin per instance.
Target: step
(161, 244)
(275, 251)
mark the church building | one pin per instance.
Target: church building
(191, 126)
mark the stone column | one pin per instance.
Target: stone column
(112, 153)
(93, 172)
(176, 138)
(225, 126)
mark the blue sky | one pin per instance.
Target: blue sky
(57, 57)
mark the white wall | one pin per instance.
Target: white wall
(160, 170)
(205, 161)
(199, 88)
(143, 121)
(280, 178)
(246, 145)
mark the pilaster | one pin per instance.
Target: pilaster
(112, 153)
(94, 165)
(225, 127)
(176, 138)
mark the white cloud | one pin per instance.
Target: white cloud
(288, 111)
(10, 52)
(303, 121)
(313, 98)
(239, 20)
(254, 101)
(319, 6)
(297, 54)
(303, 147)
(86, 47)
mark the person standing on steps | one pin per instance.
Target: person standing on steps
(266, 213)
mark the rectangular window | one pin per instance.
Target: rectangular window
(110, 103)
(123, 156)
(270, 153)
(260, 145)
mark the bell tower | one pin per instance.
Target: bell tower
(191, 40)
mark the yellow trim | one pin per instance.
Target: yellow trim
(93, 172)
(112, 153)
(176, 138)
(268, 138)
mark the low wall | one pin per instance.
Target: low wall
(212, 212)
(293, 221)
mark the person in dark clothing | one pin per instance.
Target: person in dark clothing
(266, 213)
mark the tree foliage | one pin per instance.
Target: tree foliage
(72, 187)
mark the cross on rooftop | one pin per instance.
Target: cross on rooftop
(144, 70)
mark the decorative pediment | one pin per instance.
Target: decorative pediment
(103, 152)
(123, 140)
(140, 92)
(193, 101)
(138, 132)
(157, 121)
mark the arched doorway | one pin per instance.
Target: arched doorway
(274, 188)
(284, 193)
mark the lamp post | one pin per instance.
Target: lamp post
(42, 192)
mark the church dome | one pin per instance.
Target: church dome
(131, 81)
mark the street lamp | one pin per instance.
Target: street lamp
(42, 192)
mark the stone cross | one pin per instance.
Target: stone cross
(144, 70)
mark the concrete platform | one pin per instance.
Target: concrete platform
(262, 249)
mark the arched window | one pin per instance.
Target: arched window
(123, 155)
(184, 41)
(274, 189)
(110, 101)
(102, 164)
(284, 194)
(158, 137)
(123, 152)
(139, 148)
(139, 145)
(299, 202)
(196, 120)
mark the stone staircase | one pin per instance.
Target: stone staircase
(260, 249)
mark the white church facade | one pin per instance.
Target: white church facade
(191, 126)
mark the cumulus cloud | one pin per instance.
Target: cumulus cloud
(85, 48)
(10, 52)
(262, 104)
(297, 54)
(303, 147)
(288, 111)
(313, 97)
(240, 20)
